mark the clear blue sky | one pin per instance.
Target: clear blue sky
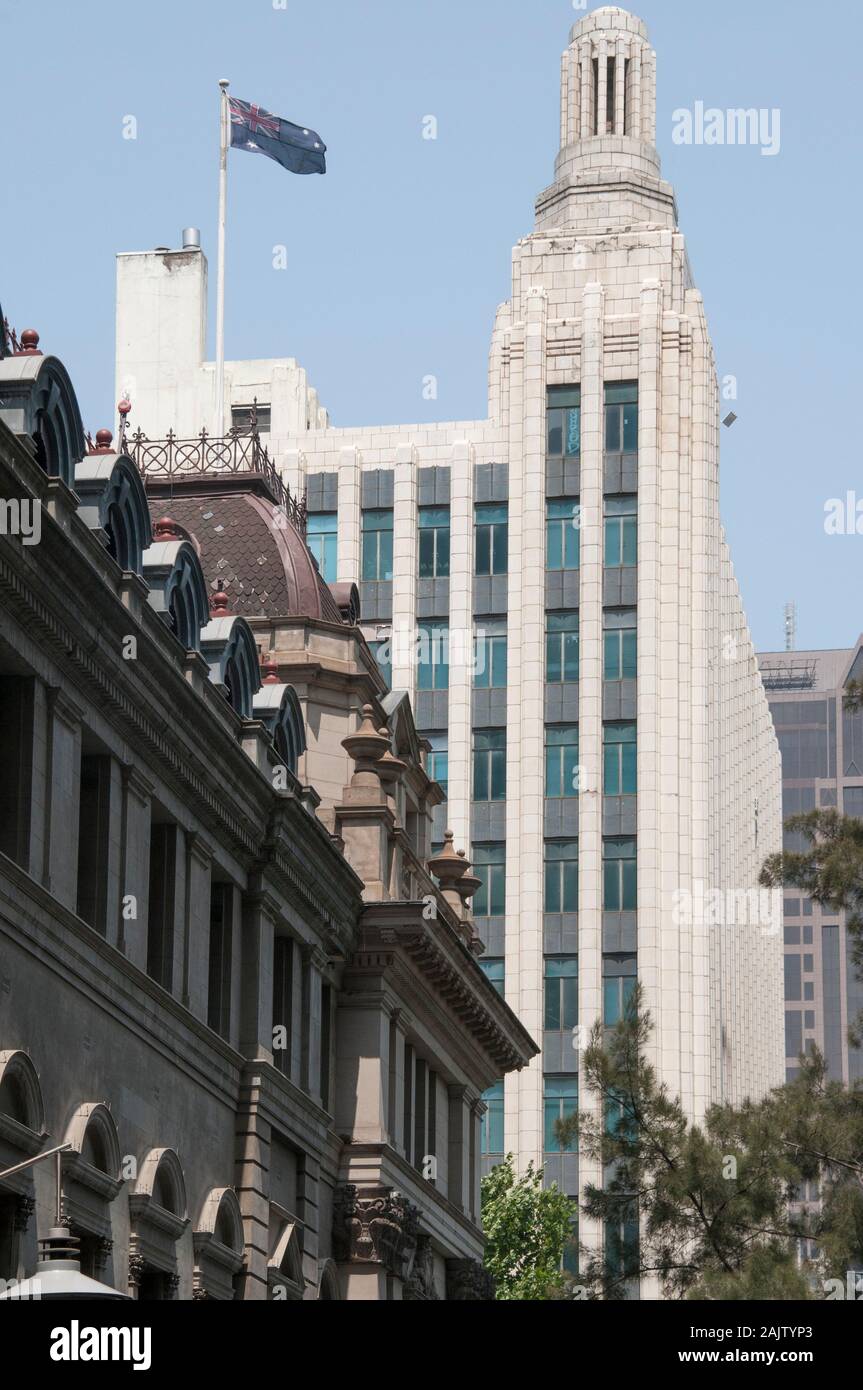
(398, 257)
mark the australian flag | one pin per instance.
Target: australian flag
(300, 150)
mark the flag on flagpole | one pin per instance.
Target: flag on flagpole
(300, 150)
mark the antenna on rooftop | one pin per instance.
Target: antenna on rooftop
(791, 627)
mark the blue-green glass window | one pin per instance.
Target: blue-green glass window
(492, 1121)
(438, 759)
(382, 652)
(561, 647)
(619, 875)
(561, 993)
(561, 760)
(377, 545)
(561, 876)
(434, 542)
(433, 658)
(322, 537)
(564, 421)
(489, 864)
(621, 653)
(621, 532)
(619, 760)
(616, 994)
(560, 1101)
(489, 764)
(621, 419)
(563, 534)
(492, 538)
(622, 1243)
(490, 661)
(495, 972)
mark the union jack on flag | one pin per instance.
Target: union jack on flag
(295, 147)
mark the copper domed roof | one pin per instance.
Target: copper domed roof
(247, 545)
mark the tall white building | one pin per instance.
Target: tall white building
(610, 758)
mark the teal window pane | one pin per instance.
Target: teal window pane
(630, 429)
(483, 550)
(498, 663)
(630, 541)
(560, 1102)
(553, 658)
(427, 554)
(489, 866)
(382, 655)
(554, 545)
(621, 392)
(611, 894)
(555, 432)
(629, 662)
(492, 1120)
(552, 888)
(495, 973)
(572, 545)
(385, 555)
(570, 886)
(443, 552)
(630, 880)
(612, 429)
(500, 549)
(434, 516)
(570, 656)
(553, 772)
(629, 770)
(370, 555)
(611, 771)
(611, 661)
(610, 1002)
(573, 432)
(612, 543)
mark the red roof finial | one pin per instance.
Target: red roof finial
(270, 671)
(124, 406)
(29, 344)
(166, 530)
(104, 439)
(220, 604)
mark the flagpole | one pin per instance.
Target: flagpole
(225, 126)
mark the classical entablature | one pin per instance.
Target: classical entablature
(228, 647)
(219, 1246)
(113, 501)
(39, 402)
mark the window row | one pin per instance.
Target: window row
(491, 539)
(619, 876)
(563, 419)
(562, 768)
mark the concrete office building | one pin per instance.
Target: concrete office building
(822, 766)
(553, 588)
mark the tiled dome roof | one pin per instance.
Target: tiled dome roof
(246, 545)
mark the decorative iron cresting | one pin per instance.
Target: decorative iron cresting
(239, 451)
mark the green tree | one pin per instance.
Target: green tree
(527, 1227)
(708, 1210)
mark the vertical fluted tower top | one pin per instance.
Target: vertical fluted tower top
(607, 117)
(608, 89)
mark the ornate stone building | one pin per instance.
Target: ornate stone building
(229, 984)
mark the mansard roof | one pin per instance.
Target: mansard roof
(248, 545)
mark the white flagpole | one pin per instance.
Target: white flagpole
(225, 118)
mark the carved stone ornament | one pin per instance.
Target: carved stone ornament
(420, 1284)
(468, 1281)
(375, 1226)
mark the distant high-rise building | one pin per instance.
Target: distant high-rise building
(553, 587)
(822, 766)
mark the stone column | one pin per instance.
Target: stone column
(134, 866)
(259, 917)
(350, 516)
(461, 623)
(590, 693)
(405, 565)
(63, 792)
(196, 926)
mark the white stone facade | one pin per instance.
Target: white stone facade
(601, 294)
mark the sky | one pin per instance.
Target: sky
(398, 257)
